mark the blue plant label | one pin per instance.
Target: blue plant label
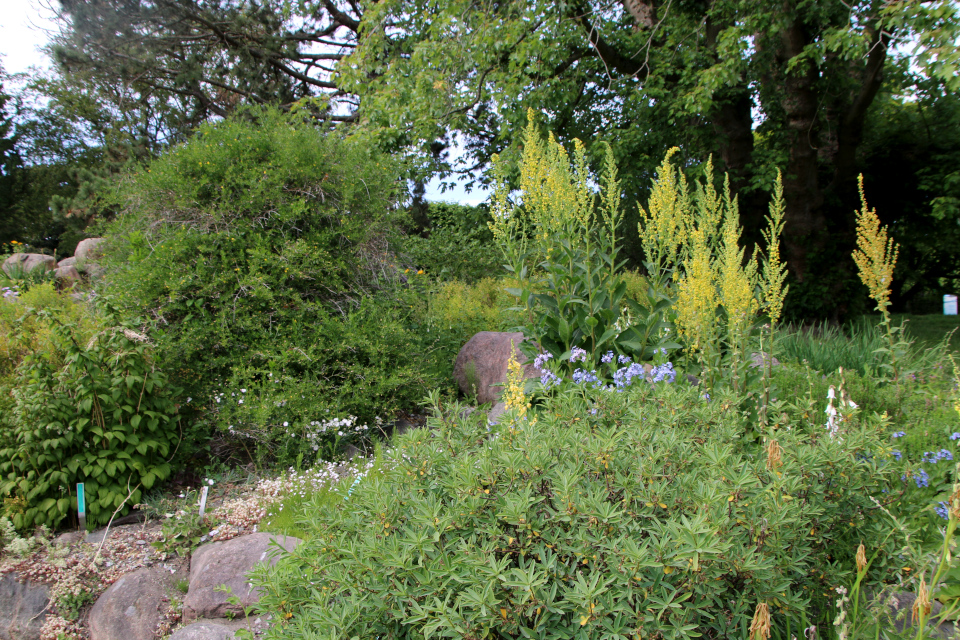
(81, 500)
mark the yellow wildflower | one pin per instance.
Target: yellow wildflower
(876, 254)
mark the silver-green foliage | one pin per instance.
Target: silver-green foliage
(649, 516)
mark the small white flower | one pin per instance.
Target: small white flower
(286, 424)
(209, 482)
(243, 390)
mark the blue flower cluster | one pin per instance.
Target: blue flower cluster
(896, 454)
(955, 436)
(898, 434)
(10, 292)
(582, 376)
(547, 378)
(943, 510)
(622, 377)
(933, 457)
(922, 479)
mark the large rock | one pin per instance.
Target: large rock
(203, 631)
(88, 250)
(23, 263)
(226, 564)
(23, 608)
(68, 262)
(67, 275)
(481, 364)
(131, 608)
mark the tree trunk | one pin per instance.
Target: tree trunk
(805, 222)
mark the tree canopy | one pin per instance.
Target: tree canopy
(788, 85)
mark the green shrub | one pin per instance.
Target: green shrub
(459, 245)
(265, 245)
(357, 370)
(605, 515)
(104, 417)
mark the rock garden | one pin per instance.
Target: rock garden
(283, 426)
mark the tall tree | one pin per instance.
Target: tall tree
(761, 85)
(10, 163)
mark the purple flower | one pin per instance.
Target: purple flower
(896, 454)
(943, 510)
(663, 372)
(922, 479)
(945, 455)
(548, 379)
(541, 360)
(898, 434)
(607, 357)
(581, 376)
(626, 359)
(955, 436)
(578, 355)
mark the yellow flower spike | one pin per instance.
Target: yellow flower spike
(774, 270)
(876, 254)
(514, 397)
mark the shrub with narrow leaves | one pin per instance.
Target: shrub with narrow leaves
(601, 514)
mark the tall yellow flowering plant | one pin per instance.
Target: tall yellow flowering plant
(692, 244)
(876, 256)
(561, 242)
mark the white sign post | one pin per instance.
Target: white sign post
(203, 500)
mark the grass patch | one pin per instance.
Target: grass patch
(930, 330)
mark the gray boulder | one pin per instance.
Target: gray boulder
(68, 262)
(203, 631)
(760, 358)
(67, 275)
(481, 364)
(23, 608)
(226, 564)
(131, 608)
(88, 250)
(23, 263)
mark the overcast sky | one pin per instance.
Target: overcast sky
(24, 28)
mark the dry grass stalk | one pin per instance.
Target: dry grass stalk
(921, 606)
(774, 455)
(861, 559)
(760, 625)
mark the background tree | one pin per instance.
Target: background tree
(787, 85)
(9, 164)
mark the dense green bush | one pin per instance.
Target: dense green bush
(457, 246)
(265, 245)
(603, 514)
(96, 411)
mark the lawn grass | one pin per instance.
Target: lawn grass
(928, 330)
(931, 329)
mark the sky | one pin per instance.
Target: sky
(25, 27)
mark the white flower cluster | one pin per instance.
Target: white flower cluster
(343, 427)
